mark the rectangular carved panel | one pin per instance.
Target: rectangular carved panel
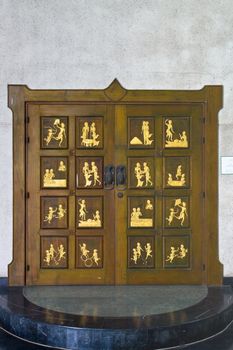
(141, 212)
(141, 252)
(54, 252)
(54, 212)
(89, 252)
(176, 172)
(141, 133)
(54, 172)
(141, 172)
(89, 132)
(89, 172)
(176, 212)
(89, 212)
(54, 132)
(176, 132)
(176, 251)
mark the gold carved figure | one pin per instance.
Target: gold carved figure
(50, 178)
(56, 132)
(179, 212)
(137, 221)
(182, 141)
(145, 134)
(88, 222)
(180, 178)
(143, 175)
(149, 205)
(55, 213)
(141, 255)
(88, 260)
(54, 256)
(179, 253)
(89, 136)
(91, 175)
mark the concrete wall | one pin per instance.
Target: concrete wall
(150, 44)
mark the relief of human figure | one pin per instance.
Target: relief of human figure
(139, 174)
(180, 178)
(85, 133)
(61, 252)
(51, 215)
(60, 212)
(62, 166)
(183, 213)
(146, 171)
(172, 255)
(95, 257)
(175, 213)
(94, 135)
(94, 171)
(82, 210)
(169, 130)
(149, 205)
(146, 133)
(87, 174)
(84, 250)
(135, 256)
(62, 131)
(148, 251)
(49, 136)
(139, 249)
(182, 141)
(179, 253)
(89, 135)
(183, 252)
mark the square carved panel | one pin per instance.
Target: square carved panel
(54, 212)
(89, 212)
(54, 132)
(141, 212)
(176, 132)
(176, 172)
(89, 172)
(89, 132)
(176, 212)
(141, 252)
(176, 252)
(54, 172)
(89, 252)
(141, 172)
(54, 252)
(141, 133)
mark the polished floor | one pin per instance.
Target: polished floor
(223, 341)
(115, 301)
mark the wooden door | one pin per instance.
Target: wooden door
(70, 210)
(159, 210)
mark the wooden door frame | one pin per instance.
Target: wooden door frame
(211, 99)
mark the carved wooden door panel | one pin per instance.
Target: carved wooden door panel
(70, 212)
(159, 211)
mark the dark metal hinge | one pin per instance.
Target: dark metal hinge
(203, 267)
(27, 120)
(27, 195)
(27, 139)
(203, 194)
(203, 140)
(28, 268)
(203, 120)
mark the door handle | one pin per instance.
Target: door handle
(109, 177)
(121, 177)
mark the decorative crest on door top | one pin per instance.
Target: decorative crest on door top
(115, 91)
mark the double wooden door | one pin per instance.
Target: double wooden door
(115, 194)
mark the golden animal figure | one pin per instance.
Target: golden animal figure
(137, 220)
(56, 132)
(180, 178)
(178, 211)
(181, 142)
(89, 135)
(179, 253)
(145, 130)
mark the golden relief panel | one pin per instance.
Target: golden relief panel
(176, 251)
(176, 172)
(176, 211)
(54, 172)
(54, 132)
(89, 212)
(54, 212)
(141, 132)
(54, 252)
(141, 172)
(141, 212)
(89, 172)
(89, 132)
(176, 132)
(141, 252)
(89, 252)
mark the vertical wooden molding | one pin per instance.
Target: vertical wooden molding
(16, 269)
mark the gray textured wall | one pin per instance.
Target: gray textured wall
(149, 44)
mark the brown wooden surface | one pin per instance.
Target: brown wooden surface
(117, 104)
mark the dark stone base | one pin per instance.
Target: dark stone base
(51, 328)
